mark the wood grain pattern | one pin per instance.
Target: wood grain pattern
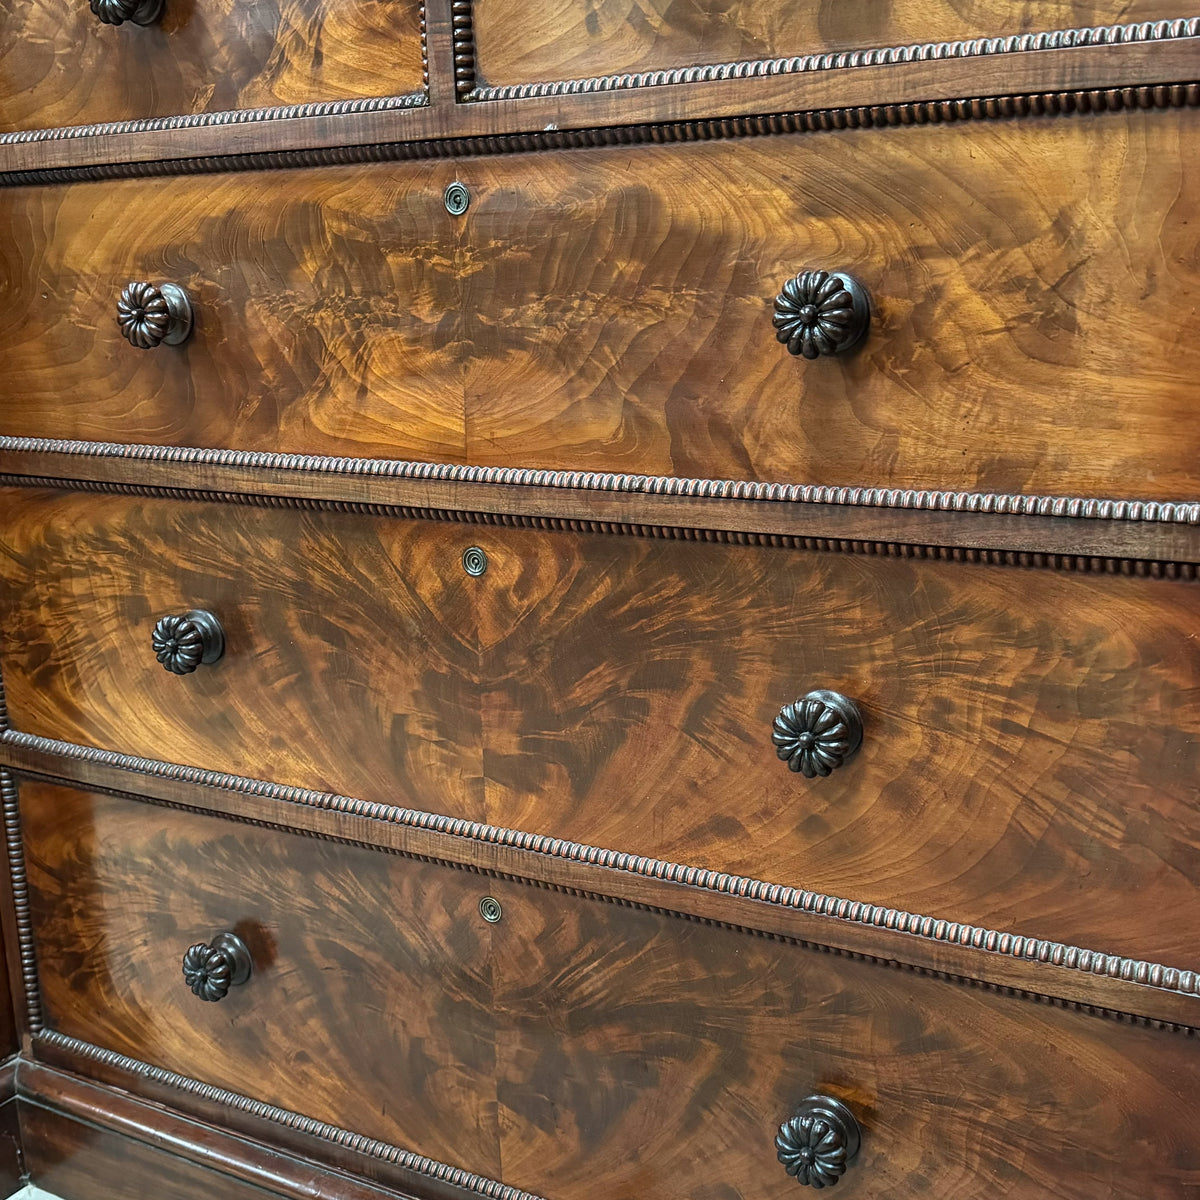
(611, 310)
(95, 1143)
(1030, 744)
(558, 39)
(59, 65)
(350, 656)
(615, 1040)
(370, 1002)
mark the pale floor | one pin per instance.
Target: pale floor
(31, 1193)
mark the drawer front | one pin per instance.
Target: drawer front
(574, 1048)
(1031, 739)
(1030, 282)
(520, 44)
(63, 65)
(349, 659)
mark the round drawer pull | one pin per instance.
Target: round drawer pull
(819, 1142)
(820, 312)
(211, 970)
(117, 12)
(150, 315)
(817, 733)
(183, 642)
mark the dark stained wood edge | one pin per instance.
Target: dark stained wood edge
(1055, 39)
(252, 1158)
(1027, 83)
(12, 1167)
(1113, 536)
(1049, 972)
(284, 1139)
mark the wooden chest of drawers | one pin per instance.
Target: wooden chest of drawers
(673, 539)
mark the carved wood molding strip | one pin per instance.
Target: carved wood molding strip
(407, 1160)
(1039, 104)
(837, 910)
(20, 894)
(1140, 568)
(1010, 504)
(1057, 39)
(235, 116)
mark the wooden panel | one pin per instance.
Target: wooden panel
(1033, 286)
(603, 1043)
(350, 654)
(74, 1161)
(1032, 739)
(60, 65)
(566, 39)
(325, 312)
(370, 1002)
(612, 309)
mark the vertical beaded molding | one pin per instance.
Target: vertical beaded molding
(463, 37)
(20, 897)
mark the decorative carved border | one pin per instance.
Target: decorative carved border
(407, 1160)
(1056, 39)
(929, 112)
(1154, 511)
(20, 892)
(1139, 568)
(237, 116)
(463, 40)
(852, 912)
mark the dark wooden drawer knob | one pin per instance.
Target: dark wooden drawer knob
(819, 1142)
(152, 315)
(817, 733)
(117, 12)
(211, 970)
(183, 642)
(820, 312)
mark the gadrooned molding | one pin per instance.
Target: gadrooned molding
(20, 893)
(1139, 568)
(931, 112)
(234, 116)
(408, 1160)
(1056, 39)
(1151, 511)
(851, 912)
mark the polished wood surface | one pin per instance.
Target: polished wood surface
(581, 1049)
(70, 1160)
(91, 1142)
(369, 1006)
(523, 43)
(60, 65)
(612, 310)
(350, 659)
(1030, 741)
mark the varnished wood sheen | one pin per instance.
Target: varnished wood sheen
(1030, 738)
(516, 44)
(59, 65)
(597, 1045)
(611, 311)
(350, 658)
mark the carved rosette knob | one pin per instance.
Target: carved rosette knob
(211, 970)
(150, 315)
(117, 12)
(182, 642)
(819, 312)
(817, 733)
(819, 1142)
